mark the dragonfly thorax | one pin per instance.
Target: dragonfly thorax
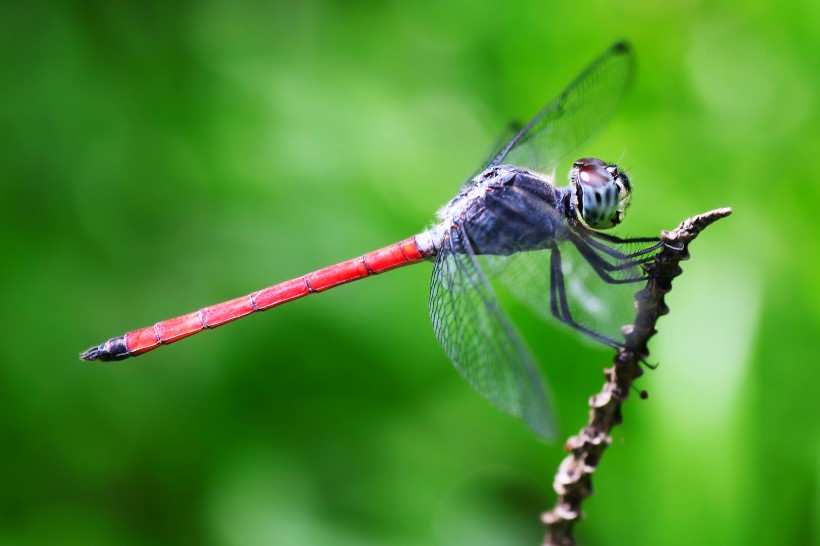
(503, 210)
(600, 193)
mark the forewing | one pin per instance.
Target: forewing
(513, 128)
(570, 119)
(480, 340)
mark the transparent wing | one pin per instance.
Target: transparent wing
(479, 339)
(570, 119)
(513, 128)
(599, 305)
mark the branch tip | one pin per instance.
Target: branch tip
(573, 482)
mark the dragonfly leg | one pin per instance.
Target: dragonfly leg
(603, 267)
(560, 307)
(588, 237)
(613, 239)
(621, 241)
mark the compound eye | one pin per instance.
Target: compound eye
(600, 193)
(589, 161)
(602, 197)
(594, 176)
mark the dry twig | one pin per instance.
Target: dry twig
(573, 482)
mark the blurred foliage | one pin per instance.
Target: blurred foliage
(158, 157)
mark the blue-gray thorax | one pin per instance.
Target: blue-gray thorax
(501, 211)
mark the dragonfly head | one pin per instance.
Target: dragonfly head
(600, 193)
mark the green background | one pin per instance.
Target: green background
(159, 157)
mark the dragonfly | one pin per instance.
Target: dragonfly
(509, 221)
